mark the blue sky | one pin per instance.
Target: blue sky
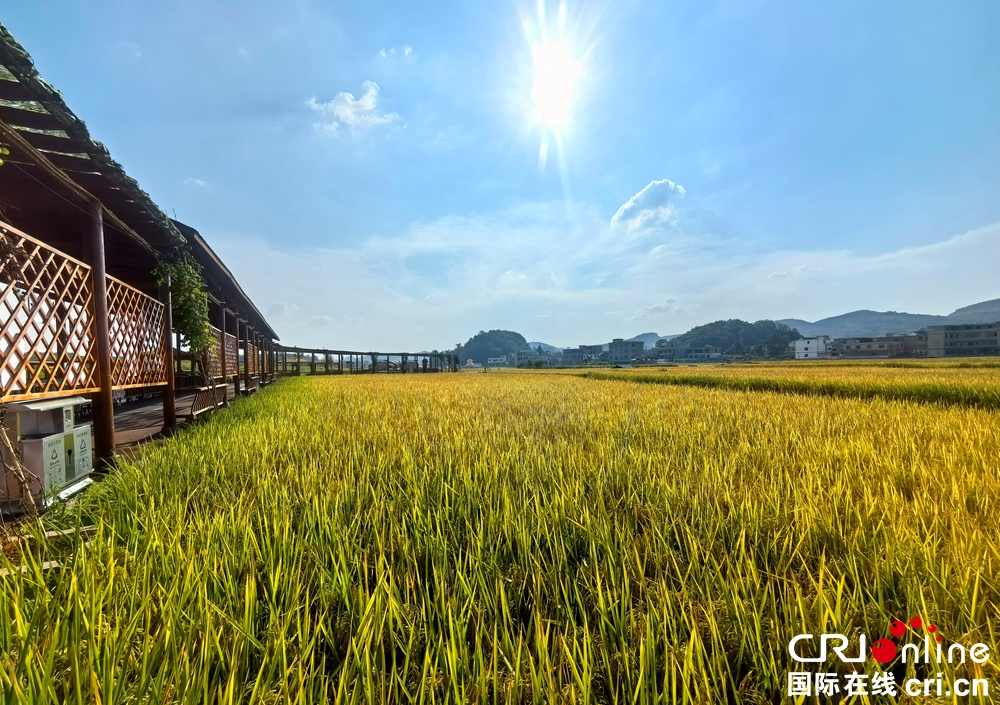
(372, 174)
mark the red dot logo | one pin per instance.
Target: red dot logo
(884, 650)
(916, 622)
(897, 628)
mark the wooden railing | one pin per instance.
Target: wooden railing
(215, 355)
(207, 399)
(138, 344)
(232, 354)
(292, 360)
(47, 341)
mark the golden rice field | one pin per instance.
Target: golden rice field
(508, 538)
(972, 382)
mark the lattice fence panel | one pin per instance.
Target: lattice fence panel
(215, 354)
(232, 354)
(135, 322)
(46, 344)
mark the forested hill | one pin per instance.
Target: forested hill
(861, 323)
(486, 344)
(736, 337)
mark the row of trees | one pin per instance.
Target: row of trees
(742, 339)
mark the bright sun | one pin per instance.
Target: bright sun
(555, 75)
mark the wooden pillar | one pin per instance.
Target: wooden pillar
(236, 372)
(312, 362)
(222, 356)
(246, 357)
(177, 363)
(340, 363)
(102, 401)
(169, 397)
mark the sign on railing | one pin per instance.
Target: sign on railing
(252, 359)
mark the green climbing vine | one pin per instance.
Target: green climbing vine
(189, 301)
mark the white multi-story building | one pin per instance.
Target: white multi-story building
(819, 348)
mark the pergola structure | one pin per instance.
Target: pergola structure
(80, 309)
(289, 360)
(243, 336)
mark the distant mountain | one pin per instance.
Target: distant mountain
(648, 339)
(872, 323)
(862, 323)
(984, 312)
(545, 347)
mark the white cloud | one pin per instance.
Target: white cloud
(317, 321)
(510, 277)
(191, 181)
(245, 54)
(801, 270)
(280, 308)
(651, 206)
(386, 53)
(345, 109)
(659, 309)
(128, 49)
(439, 282)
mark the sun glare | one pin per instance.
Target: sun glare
(555, 75)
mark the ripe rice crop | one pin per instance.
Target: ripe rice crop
(511, 538)
(967, 384)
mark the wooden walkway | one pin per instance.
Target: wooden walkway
(141, 421)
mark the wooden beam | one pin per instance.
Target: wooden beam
(27, 118)
(246, 357)
(169, 396)
(222, 362)
(15, 139)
